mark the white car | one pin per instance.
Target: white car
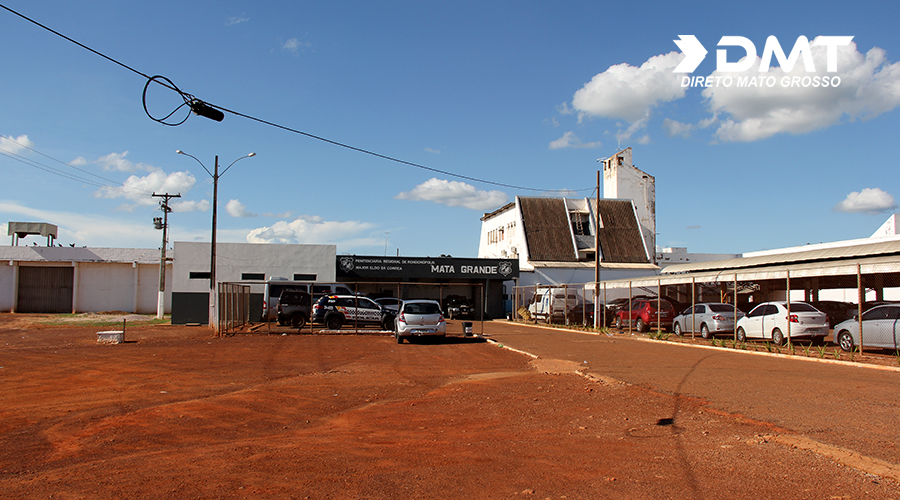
(418, 318)
(769, 321)
(880, 329)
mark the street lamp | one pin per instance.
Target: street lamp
(212, 252)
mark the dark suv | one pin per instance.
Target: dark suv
(644, 314)
(294, 308)
(336, 310)
(457, 306)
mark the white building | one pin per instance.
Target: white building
(555, 239)
(622, 180)
(67, 280)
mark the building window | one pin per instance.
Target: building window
(202, 275)
(304, 277)
(253, 276)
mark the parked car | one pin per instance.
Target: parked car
(418, 318)
(390, 303)
(582, 314)
(274, 288)
(880, 329)
(769, 320)
(294, 308)
(707, 318)
(644, 314)
(457, 306)
(336, 310)
(837, 311)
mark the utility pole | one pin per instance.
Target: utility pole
(164, 225)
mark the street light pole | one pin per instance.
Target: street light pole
(213, 317)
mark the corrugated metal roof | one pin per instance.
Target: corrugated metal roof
(819, 255)
(834, 270)
(547, 229)
(620, 233)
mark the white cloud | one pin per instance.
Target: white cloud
(869, 200)
(190, 206)
(629, 92)
(294, 45)
(570, 140)
(15, 145)
(869, 86)
(674, 128)
(237, 209)
(117, 162)
(309, 229)
(435, 151)
(455, 194)
(139, 189)
(236, 20)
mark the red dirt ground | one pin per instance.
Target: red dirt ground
(178, 413)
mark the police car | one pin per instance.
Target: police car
(337, 310)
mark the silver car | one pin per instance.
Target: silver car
(707, 318)
(880, 329)
(418, 318)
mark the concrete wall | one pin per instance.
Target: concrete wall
(106, 279)
(235, 259)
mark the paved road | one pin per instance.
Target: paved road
(844, 405)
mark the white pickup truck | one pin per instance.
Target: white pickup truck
(552, 304)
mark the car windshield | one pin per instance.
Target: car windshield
(422, 308)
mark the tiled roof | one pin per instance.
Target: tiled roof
(547, 230)
(620, 233)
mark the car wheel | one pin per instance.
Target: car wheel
(298, 320)
(677, 329)
(741, 335)
(704, 331)
(387, 324)
(333, 322)
(618, 322)
(640, 325)
(845, 340)
(777, 337)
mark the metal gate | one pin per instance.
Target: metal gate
(45, 289)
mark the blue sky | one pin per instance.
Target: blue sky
(524, 94)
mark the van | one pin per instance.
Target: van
(275, 287)
(552, 304)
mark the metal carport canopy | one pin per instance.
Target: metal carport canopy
(843, 268)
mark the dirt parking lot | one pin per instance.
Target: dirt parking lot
(178, 413)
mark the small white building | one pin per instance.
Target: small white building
(67, 280)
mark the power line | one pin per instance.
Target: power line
(64, 174)
(203, 108)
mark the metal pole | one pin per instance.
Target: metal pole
(734, 330)
(861, 297)
(597, 254)
(212, 252)
(788, 284)
(693, 304)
